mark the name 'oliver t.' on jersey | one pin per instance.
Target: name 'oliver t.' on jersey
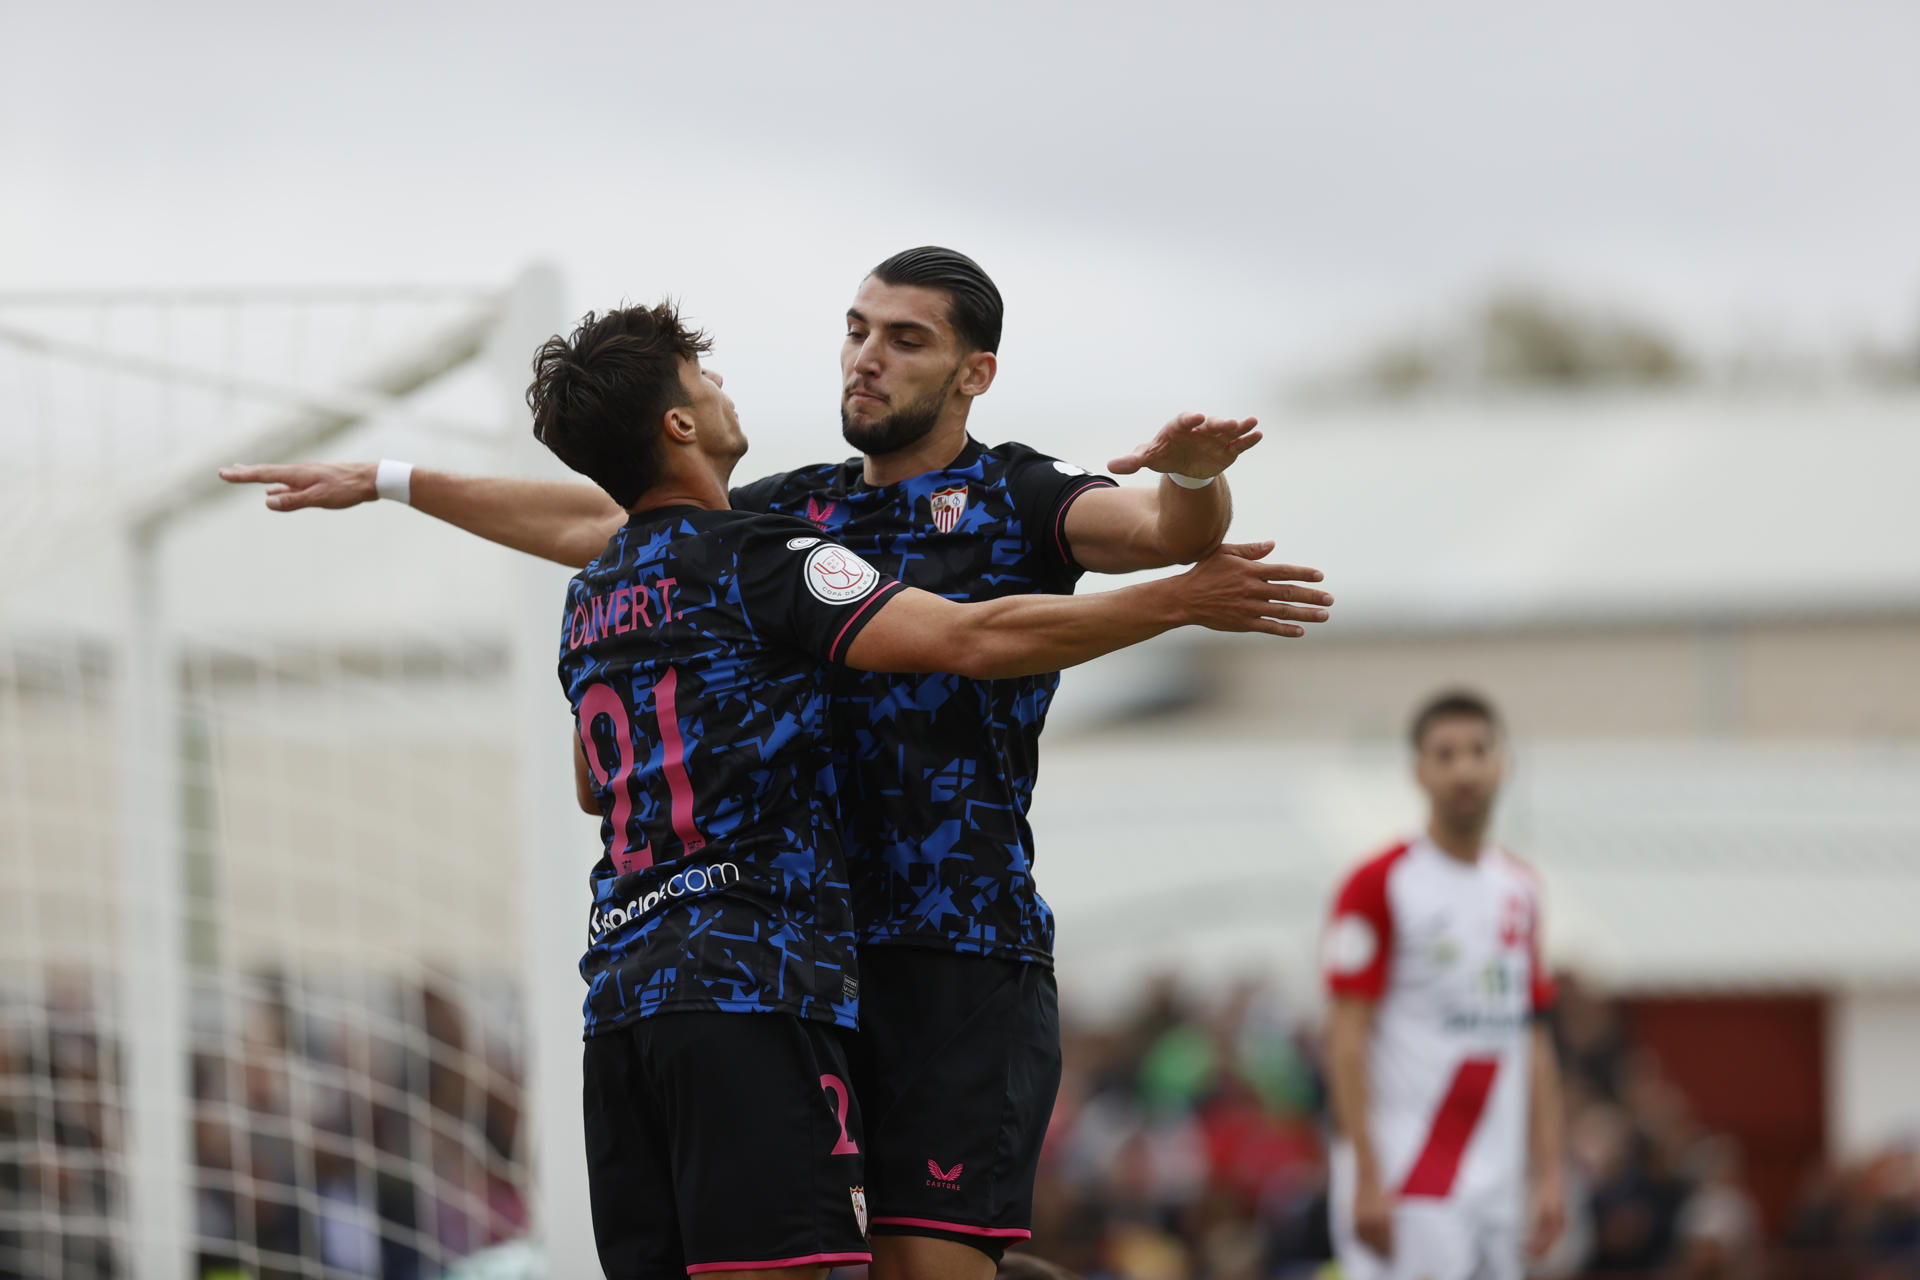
(940, 769)
(694, 652)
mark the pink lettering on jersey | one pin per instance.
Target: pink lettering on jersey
(674, 766)
(620, 611)
(1453, 1125)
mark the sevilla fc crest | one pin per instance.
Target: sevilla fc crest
(947, 506)
(859, 1207)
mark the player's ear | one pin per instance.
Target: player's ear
(677, 425)
(976, 373)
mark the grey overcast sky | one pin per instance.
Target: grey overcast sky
(1181, 202)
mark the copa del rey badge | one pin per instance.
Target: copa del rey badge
(947, 505)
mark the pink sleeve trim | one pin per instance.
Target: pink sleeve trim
(811, 1260)
(1060, 519)
(833, 650)
(958, 1228)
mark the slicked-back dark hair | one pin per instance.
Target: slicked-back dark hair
(598, 394)
(1446, 705)
(973, 302)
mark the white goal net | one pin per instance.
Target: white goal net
(263, 998)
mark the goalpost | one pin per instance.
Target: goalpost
(292, 888)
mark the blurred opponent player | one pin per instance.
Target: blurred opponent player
(1445, 1089)
(724, 1138)
(959, 1039)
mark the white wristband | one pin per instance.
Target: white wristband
(394, 481)
(1189, 482)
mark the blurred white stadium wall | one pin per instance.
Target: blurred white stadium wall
(1701, 614)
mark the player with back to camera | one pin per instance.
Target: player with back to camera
(1444, 1085)
(959, 1047)
(722, 1136)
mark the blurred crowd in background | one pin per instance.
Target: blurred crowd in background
(370, 1132)
(1188, 1144)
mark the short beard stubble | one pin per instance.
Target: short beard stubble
(901, 429)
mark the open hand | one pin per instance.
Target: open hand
(1192, 445)
(1233, 590)
(293, 485)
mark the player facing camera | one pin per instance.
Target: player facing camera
(1459, 759)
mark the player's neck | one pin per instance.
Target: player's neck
(700, 485)
(1461, 846)
(935, 452)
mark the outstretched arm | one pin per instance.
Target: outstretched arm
(1028, 634)
(1120, 530)
(555, 520)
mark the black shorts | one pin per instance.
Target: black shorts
(956, 1062)
(722, 1142)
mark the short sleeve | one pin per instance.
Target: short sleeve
(1044, 489)
(801, 589)
(757, 496)
(1359, 940)
(1544, 994)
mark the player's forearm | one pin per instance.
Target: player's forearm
(1544, 1138)
(1028, 635)
(568, 523)
(1191, 522)
(1347, 1033)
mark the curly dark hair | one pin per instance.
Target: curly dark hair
(598, 395)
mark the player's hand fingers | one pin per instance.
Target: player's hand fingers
(1254, 550)
(1128, 463)
(1294, 612)
(253, 473)
(1288, 572)
(1246, 442)
(1225, 429)
(1285, 630)
(1295, 595)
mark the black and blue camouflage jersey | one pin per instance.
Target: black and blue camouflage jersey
(938, 770)
(693, 652)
